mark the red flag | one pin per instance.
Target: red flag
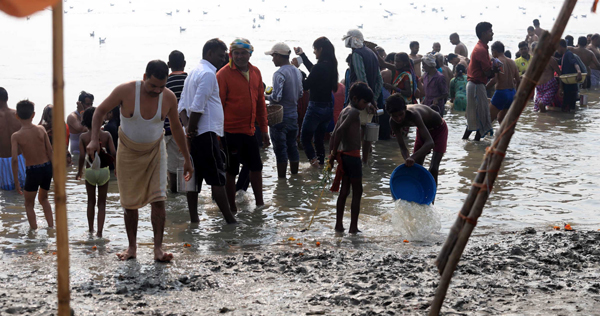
(22, 8)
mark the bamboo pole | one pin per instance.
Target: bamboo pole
(59, 162)
(484, 181)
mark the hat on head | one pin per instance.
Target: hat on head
(354, 39)
(241, 43)
(281, 49)
(429, 60)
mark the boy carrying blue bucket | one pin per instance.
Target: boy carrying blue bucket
(432, 132)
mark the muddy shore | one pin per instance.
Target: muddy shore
(527, 272)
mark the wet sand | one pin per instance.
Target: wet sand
(525, 272)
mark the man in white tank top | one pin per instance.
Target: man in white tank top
(141, 156)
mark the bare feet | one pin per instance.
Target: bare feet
(260, 207)
(161, 256)
(354, 231)
(99, 234)
(340, 229)
(314, 162)
(130, 253)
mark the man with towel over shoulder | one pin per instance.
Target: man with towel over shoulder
(141, 156)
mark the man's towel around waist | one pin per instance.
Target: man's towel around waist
(141, 172)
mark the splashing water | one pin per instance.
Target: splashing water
(416, 222)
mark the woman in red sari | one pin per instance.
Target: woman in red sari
(404, 80)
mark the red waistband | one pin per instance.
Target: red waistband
(351, 153)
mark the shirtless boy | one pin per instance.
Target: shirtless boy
(432, 132)
(9, 124)
(506, 82)
(34, 143)
(345, 148)
(415, 57)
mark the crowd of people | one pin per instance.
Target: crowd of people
(207, 124)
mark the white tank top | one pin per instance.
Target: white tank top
(139, 129)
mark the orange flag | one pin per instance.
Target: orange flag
(22, 8)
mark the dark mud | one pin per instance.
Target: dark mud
(516, 273)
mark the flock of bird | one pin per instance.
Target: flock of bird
(262, 16)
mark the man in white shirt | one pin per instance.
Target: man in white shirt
(202, 112)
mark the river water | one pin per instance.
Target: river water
(547, 177)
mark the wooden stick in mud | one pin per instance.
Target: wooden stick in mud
(59, 162)
(484, 180)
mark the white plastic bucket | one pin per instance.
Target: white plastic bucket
(186, 186)
(583, 98)
(371, 132)
(94, 165)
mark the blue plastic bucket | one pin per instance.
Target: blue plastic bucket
(413, 184)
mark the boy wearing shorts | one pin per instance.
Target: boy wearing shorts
(34, 143)
(432, 132)
(506, 80)
(345, 148)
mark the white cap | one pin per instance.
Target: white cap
(353, 33)
(281, 49)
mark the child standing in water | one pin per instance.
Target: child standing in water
(345, 148)
(95, 177)
(458, 89)
(34, 143)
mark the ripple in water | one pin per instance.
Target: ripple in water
(416, 222)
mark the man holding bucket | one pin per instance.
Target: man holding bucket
(287, 89)
(243, 98)
(364, 67)
(201, 110)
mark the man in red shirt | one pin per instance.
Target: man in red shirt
(479, 72)
(242, 95)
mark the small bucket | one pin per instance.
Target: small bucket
(186, 186)
(371, 132)
(583, 99)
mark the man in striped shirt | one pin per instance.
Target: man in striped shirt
(174, 83)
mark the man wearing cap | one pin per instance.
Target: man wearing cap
(242, 94)
(364, 67)
(202, 112)
(287, 89)
(434, 82)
